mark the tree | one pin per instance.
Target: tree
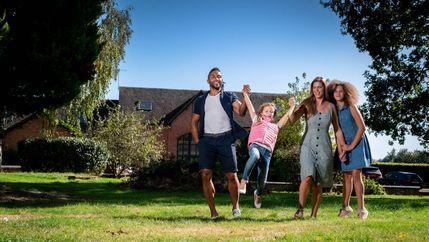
(405, 156)
(114, 33)
(396, 36)
(131, 144)
(47, 53)
(285, 161)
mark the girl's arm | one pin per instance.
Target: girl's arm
(249, 104)
(361, 128)
(339, 137)
(285, 117)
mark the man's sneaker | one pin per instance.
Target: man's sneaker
(236, 212)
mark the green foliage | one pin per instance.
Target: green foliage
(64, 154)
(421, 169)
(373, 187)
(285, 165)
(114, 33)
(131, 144)
(4, 26)
(48, 53)
(405, 156)
(170, 175)
(396, 36)
(285, 160)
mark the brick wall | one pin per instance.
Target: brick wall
(180, 126)
(29, 129)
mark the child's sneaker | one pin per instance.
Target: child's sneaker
(236, 212)
(362, 213)
(345, 212)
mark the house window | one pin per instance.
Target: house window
(144, 105)
(186, 148)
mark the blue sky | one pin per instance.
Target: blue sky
(265, 43)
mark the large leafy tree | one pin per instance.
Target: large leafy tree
(114, 33)
(396, 35)
(47, 53)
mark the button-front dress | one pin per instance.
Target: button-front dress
(316, 156)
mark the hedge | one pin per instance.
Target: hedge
(64, 154)
(421, 169)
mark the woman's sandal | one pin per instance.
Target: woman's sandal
(345, 212)
(299, 214)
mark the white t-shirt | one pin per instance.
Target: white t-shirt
(216, 120)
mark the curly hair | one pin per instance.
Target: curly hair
(351, 94)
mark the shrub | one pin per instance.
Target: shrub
(421, 169)
(371, 186)
(169, 175)
(285, 165)
(64, 154)
(131, 143)
(10, 157)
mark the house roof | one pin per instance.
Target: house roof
(167, 104)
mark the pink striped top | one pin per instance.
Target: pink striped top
(264, 133)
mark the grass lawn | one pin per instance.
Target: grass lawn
(50, 207)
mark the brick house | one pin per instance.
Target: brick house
(173, 107)
(21, 128)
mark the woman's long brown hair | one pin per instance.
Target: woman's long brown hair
(310, 102)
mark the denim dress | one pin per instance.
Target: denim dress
(360, 156)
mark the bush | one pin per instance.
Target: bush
(169, 175)
(421, 169)
(371, 186)
(64, 154)
(131, 143)
(10, 157)
(285, 165)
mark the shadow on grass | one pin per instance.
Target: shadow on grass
(204, 219)
(51, 194)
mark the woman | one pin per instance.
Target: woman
(345, 96)
(316, 156)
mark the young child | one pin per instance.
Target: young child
(262, 139)
(345, 96)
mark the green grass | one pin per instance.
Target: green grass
(50, 207)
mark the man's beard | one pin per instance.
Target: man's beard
(214, 86)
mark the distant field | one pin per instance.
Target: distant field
(50, 207)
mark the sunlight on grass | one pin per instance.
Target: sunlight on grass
(52, 207)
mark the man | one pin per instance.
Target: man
(215, 132)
